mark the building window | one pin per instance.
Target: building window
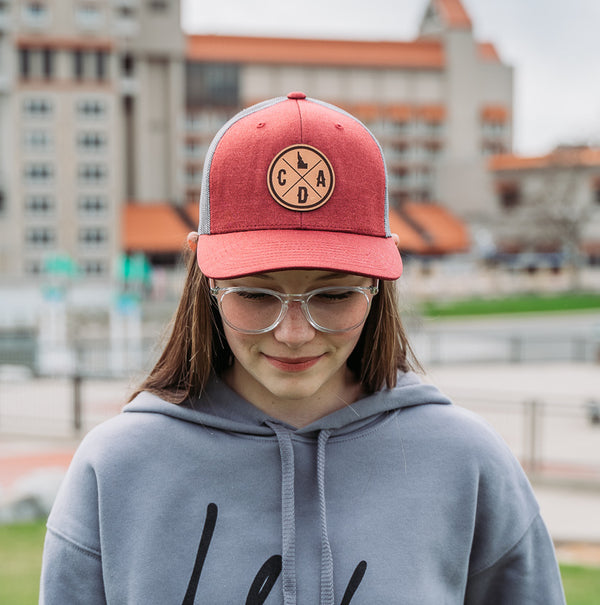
(492, 148)
(48, 63)
(37, 107)
(158, 6)
(36, 63)
(432, 151)
(101, 60)
(193, 176)
(509, 195)
(39, 205)
(401, 127)
(93, 236)
(212, 84)
(89, 16)
(92, 205)
(91, 108)
(35, 14)
(37, 140)
(78, 64)
(92, 174)
(89, 65)
(91, 141)
(94, 268)
(127, 65)
(33, 267)
(40, 237)
(38, 173)
(24, 63)
(596, 191)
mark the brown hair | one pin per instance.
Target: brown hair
(197, 347)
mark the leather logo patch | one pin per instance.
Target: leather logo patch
(301, 178)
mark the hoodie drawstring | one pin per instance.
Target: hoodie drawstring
(288, 517)
(288, 514)
(326, 557)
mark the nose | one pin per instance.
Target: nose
(294, 329)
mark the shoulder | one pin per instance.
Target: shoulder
(455, 427)
(467, 446)
(122, 438)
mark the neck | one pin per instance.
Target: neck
(301, 411)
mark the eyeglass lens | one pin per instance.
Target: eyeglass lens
(335, 309)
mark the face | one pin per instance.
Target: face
(294, 367)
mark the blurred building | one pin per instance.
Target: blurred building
(550, 206)
(91, 104)
(107, 109)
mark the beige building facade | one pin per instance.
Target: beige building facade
(80, 131)
(106, 108)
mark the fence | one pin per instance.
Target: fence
(553, 440)
(439, 346)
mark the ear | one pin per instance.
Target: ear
(192, 240)
(395, 237)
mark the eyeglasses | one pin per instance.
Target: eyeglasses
(257, 310)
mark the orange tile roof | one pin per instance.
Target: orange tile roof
(432, 113)
(157, 227)
(401, 113)
(446, 233)
(193, 212)
(410, 240)
(494, 113)
(487, 52)
(454, 13)
(153, 228)
(65, 42)
(562, 156)
(424, 54)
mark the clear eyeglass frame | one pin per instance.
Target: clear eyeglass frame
(367, 291)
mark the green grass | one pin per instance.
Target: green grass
(21, 551)
(20, 562)
(513, 304)
(582, 584)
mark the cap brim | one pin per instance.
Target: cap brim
(230, 255)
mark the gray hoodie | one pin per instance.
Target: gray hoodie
(399, 498)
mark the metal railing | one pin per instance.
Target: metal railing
(554, 440)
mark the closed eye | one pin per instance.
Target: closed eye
(251, 295)
(335, 295)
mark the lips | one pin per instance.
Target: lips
(293, 364)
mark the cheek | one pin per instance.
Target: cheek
(346, 342)
(237, 341)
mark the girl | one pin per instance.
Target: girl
(282, 450)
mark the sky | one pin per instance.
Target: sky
(553, 46)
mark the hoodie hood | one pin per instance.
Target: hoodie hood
(223, 409)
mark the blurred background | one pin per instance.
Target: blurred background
(489, 118)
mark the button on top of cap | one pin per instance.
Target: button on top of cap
(297, 95)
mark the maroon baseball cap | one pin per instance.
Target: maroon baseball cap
(294, 183)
